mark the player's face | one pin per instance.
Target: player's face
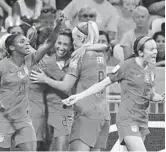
(140, 19)
(78, 40)
(62, 45)
(160, 41)
(21, 45)
(150, 51)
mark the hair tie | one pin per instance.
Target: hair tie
(142, 41)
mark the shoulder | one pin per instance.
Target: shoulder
(127, 64)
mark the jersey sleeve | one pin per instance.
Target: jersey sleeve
(74, 67)
(117, 73)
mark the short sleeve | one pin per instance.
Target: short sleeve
(117, 74)
(74, 68)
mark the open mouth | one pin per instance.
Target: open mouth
(61, 53)
(154, 59)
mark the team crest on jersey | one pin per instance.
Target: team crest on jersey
(100, 60)
(1, 137)
(149, 77)
(134, 128)
(115, 69)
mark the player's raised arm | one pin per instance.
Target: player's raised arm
(43, 49)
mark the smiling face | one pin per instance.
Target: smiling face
(21, 45)
(62, 45)
(150, 52)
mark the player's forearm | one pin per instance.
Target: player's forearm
(98, 87)
(43, 49)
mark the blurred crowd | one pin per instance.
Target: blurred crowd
(120, 21)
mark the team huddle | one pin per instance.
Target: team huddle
(63, 96)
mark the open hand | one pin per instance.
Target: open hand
(38, 77)
(71, 100)
(79, 53)
(61, 17)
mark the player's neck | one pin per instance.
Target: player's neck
(17, 60)
(141, 62)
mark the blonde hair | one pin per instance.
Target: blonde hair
(140, 9)
(92, 32)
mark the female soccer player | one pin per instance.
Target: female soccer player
(59, 119)
(136, 76)
(91, 121)
(15, 124)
